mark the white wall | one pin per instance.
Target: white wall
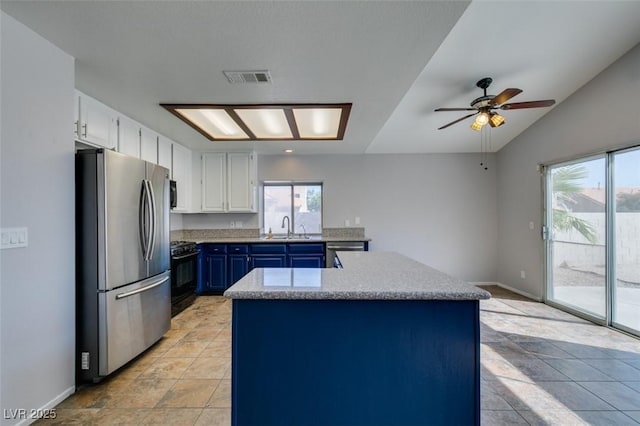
(437, 209)
(37, 293)
(603, 114)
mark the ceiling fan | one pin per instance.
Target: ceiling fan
(485, 106)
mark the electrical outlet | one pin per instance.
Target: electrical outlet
(357, 221)
(523, 275)
(14, 237)
(232, 224)
(347, 222)
(531, 225)
(84, 361)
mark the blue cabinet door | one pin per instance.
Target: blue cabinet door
(269, 261)
(214, 273)
(306, 261)
(238, 267)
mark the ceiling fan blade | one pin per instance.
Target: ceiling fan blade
(455, 109)
(458, 120)
(504, 96)
(530, 104)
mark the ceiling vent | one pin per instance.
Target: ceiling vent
(241, 77)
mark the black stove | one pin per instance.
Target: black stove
(183, 247)
(184, 274)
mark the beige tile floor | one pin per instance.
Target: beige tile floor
(540, 366)
(185, 379)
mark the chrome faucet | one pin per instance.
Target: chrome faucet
(288, 225)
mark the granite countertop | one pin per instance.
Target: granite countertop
(249, 240)
(366, 276)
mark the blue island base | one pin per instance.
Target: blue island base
(355, 362)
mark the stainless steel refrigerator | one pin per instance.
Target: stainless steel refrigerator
(123, 272)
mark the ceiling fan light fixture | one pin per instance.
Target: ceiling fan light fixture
(482, 119)
(475, 126)
(496, 120)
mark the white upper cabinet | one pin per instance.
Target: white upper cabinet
(214, 182)
(148, 145)
(181, 172)
(95, 122)
(228, 182)
(128, 136)
(164, 153)
(240, 182)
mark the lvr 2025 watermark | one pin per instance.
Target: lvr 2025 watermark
(23, 413)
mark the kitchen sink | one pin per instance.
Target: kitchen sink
(292, 237)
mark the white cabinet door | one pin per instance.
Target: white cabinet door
(95, 122)
(214, 182)
(164, 153)
(181, 166)
(128, 137)
(240, 182)
(148, 145)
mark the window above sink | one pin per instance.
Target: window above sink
(292, 206)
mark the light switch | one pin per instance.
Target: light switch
(357, 220)
(14, 237)
(531, 225)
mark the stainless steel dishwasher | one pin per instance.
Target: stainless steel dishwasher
(334, 246)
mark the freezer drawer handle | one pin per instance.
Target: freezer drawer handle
(143, 289)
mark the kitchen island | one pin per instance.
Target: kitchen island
(386, 340)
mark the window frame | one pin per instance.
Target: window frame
(291, 214)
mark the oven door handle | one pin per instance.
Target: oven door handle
(195, 253)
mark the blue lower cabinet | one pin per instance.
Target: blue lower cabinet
(238, 267)
(306, 261)
(268, 248)
(268, 255)
(269, 261)
(214, 273)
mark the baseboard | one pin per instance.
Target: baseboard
(46, 408)
(520, 292)
(506, 287)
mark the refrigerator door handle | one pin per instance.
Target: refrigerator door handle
(152, 222)
(141, 219)
(143, 289)
(149, 220)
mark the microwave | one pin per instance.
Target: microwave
(173, 194)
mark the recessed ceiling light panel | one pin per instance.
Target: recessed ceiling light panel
(265, 122)
(318, 123)
(215, 122)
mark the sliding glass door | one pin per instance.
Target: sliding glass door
(592, 222)
(576, 236)
(626, 273)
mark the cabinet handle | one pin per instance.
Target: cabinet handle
(76, 124)
(84, 130)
